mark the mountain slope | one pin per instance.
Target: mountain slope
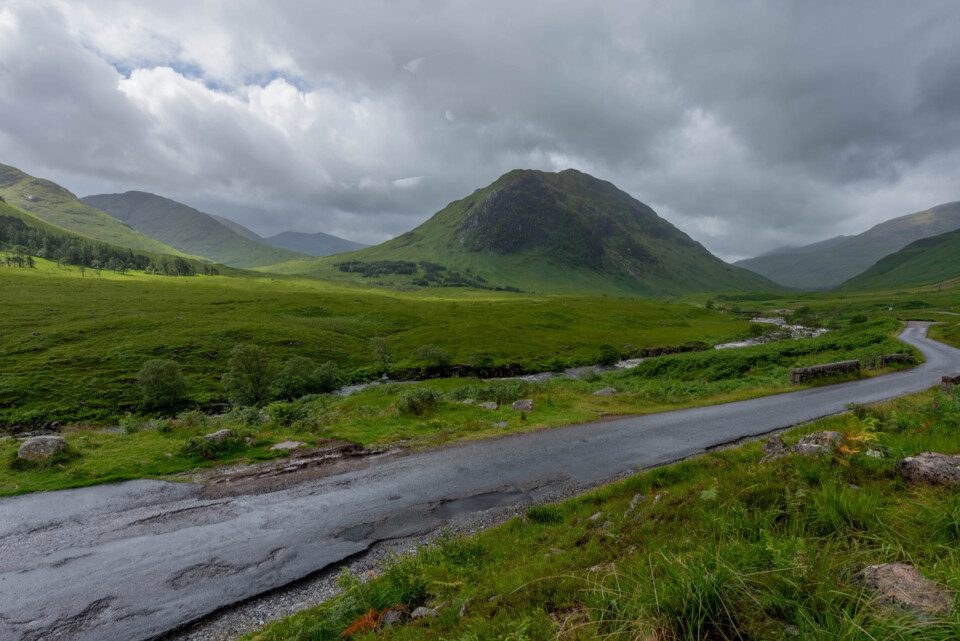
(187, 229)
(923, 262)
(249, 234)
(829, 263)
(22, 234)
(544, 232)
(52, 203)
(317, 244)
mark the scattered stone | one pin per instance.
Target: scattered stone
(424, 613)
(286, 446)
(930, 467)
(463, 608)
(900, 585)
(468, 401)
(658, 496)
(392, 617)
(41, 449)
(52, 426)
(524, 405)
(634, 502)
(168, 455)
(874, 453)
(602, 567)
(606, 391)
(556, 551)
(792, 630)
(248, 440)
(774, 449)
(595, 518)
(818, 443)
(219, 436)
(489, 405)
(500, 424)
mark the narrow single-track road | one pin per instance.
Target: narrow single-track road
(135, 560)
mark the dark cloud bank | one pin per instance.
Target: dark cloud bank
(748, 124)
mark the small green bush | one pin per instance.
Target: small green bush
(858, 319)
(192, 420)
(286, 414)
(545, 514)
(608, 355)
(418, 401)
(198, 446)
(301, 376)
(249, 379)
(433, 356)
(131, 424)
(162, 385)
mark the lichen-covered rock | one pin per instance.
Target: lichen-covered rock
(219, 436)
(606, 391)
(930, 467)
(287, 445)
(774, 449)
(489, 405)
(524, 405)
(900, 585)
(41, 449)
(424, 613)
(818, 443)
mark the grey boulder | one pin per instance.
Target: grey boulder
(41, 449)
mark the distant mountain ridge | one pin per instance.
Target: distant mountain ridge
(828, 263)
(189, 230)
(53, 204)
(315, 244)
(565, 232)
(927, 261)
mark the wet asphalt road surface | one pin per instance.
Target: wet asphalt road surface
(134, 560)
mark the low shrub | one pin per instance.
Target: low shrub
(418, 401)
(433, 356)
(286, 414)
(301, 376)
(199, 446)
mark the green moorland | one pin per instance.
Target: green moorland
(435, 412)
(53, 204)
(723, 546)
(72, 341)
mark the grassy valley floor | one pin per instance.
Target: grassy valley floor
(723, 546)
(434, 412)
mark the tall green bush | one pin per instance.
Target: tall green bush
(249, 379)
(162, 385)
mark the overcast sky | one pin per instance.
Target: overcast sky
(749, 125)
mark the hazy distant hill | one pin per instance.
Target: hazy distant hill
(187, 229)
(52, 203)
(923, 262)
(546, 232)
(237, 227)
(829, 263)
(316, 244)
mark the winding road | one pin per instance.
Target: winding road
(135, 560)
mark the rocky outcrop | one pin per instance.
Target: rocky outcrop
(901, 586)
(947, 383)
(931, 467)
(815, 444)
(219, 436)
(41, 449)
(799, 375)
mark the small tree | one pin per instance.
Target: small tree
(381, 352)
(301, 376)
(250, 377)
(162, 384)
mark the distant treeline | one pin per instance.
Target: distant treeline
(24, 240)
(424, 273)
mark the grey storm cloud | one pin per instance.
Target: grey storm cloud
(747, 124)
